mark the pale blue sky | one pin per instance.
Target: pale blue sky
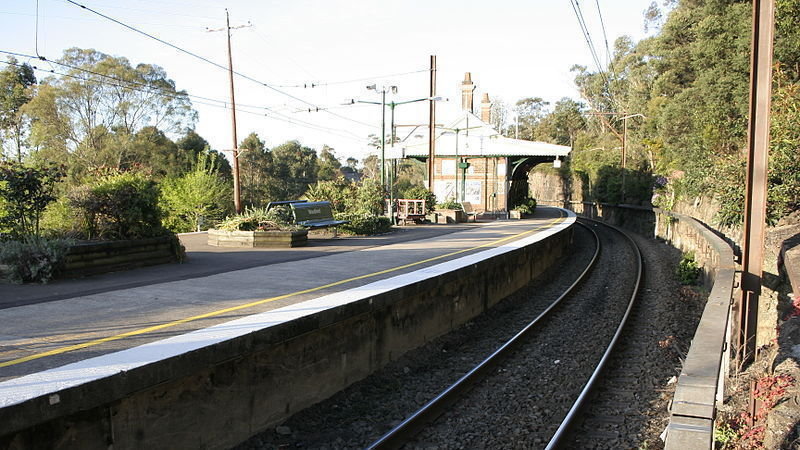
(514, 49)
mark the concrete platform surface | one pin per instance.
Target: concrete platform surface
(75, 320)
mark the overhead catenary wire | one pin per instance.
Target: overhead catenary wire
(609, 56)
(592, 50)
(215, 64)
(273, 115)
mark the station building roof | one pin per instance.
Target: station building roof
(468, 135)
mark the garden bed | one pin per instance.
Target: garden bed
(91, 258)
(259, 238)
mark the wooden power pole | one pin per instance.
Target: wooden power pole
(432, 125)
(237, 200)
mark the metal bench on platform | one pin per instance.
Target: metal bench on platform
(314, 214)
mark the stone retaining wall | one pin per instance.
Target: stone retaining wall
(92, 258)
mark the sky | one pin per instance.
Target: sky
(513, 48)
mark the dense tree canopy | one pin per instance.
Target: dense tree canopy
(684, 92)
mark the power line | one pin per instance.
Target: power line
(587, 36)
(576, 7)
(274, 114)
(202, 58)
(150, 89)
(609, 56)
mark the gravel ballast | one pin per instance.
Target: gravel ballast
(521, 405)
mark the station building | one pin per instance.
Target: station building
(473, 162)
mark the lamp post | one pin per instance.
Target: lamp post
(391, 105)
(463, 178)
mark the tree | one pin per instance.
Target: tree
(529, 112)
(15, 91)
(329, 165)
(295, 167)
(256, 172)
(101, 102)
(192, 145)
(562, 125)
(25, 192)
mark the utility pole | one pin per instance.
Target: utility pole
(237, 200)
(432, 124)
(755, 205)
(623, 138)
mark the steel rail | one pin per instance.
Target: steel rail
(416, 422)
(573, 412)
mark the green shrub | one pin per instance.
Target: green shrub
(33, 260)
(119, 206)
(196, 199)
(421, 193)
(450, 204)
(25, 192)
(365, 197)
(688, 271)
(526, 206)
(60, 219)
(364, 224)
(339, 192)
(253, 219)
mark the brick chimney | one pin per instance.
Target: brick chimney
(467, 87)
(486, 108)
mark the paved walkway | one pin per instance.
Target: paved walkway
(74, 320)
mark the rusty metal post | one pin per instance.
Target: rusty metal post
(432, 125)
(755, 206)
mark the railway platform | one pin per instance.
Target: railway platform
(47, 326)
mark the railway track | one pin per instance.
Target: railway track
(518, 397)
(407, 431)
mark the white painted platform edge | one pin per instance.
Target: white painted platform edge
(52, 381)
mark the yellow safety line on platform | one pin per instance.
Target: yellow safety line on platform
(162, 326)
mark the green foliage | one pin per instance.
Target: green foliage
(295, 168)
(119, 206)
(725, 434)
(688, 271)
(421, 193)
(365, 197)
(259, 219)
(25, 192)
(15, 82)
(195, 200)
(691, 83)
(60, 219)
(33, 259)
(526, 206)
(339, 192)
(450, 203)
(784, 157)
(85, 122)
(329, 164)
(364, 224)
(360, 203)
(369, 198)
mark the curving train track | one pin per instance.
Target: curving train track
(546, 347)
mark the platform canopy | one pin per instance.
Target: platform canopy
(468, 135)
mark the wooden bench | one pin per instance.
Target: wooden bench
(410, 210)
(314, 214)
(470, 212)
